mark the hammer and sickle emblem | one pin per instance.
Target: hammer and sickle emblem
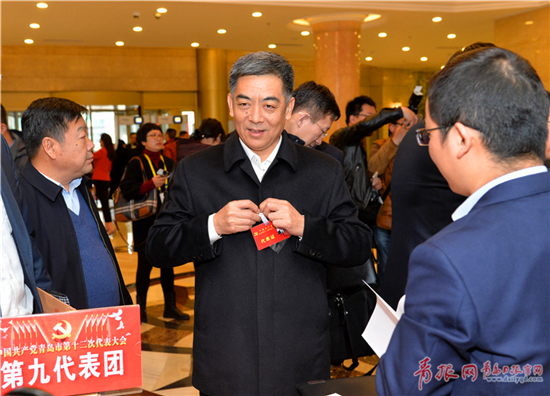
(62, 332)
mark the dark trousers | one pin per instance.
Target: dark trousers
(143, 276)
(102, 193)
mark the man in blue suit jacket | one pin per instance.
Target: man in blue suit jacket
(478, 294)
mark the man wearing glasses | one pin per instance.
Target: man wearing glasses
(362, 121)
(478, 296)
(315, 109)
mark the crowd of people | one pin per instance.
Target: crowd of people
(277, 222)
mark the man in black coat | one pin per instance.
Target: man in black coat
(261, 316)
(74, 245)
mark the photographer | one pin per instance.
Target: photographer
(156, 168)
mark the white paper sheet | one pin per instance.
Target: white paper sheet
(381, 325)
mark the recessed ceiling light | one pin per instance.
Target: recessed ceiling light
(437, 19)
(222, 31)
(301, 22)
(29, 41)
(34, 26)
(162, 10)
(382, 34)
(42, 5)
(372, 17)
(451, 36)
(195, 44)
(305, 33)
(368, 58)
(424, 58)
(137, 29)
(442, 67)
(405, 49)
(272, 46)
(256, 14)
(529, 22)
(119, 43)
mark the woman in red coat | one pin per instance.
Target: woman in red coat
(103, 161)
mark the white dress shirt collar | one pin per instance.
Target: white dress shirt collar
(260, 167)
(71, 196)
(473, 199)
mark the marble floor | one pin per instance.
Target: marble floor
(167, 354)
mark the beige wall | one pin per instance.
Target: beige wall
(532, 41)
(103, 74)
(155, 78)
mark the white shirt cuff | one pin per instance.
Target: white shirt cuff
(212, 234)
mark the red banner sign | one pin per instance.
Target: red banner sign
(72, 353)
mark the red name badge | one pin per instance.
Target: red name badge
(266, 235)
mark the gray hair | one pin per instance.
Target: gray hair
(261, 64)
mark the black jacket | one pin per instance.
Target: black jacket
(130, 186)
(56, 238)
(348, 140)
(261, 318)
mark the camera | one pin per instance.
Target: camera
(416, 98)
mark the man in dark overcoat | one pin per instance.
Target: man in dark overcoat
(261, 316)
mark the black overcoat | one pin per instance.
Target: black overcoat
(261, 318)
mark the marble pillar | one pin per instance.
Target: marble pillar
(212, 85)
(337, 65)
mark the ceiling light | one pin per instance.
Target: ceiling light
(195, 45)
(368, 58)
(256, 14)
(372, 17)
(451, 36)
(405, 49)
(442, 67)
(119, 43)
(424, 58)
(162, 10)
(29, 41)
(137, 29)
(301, 22)
(529, 22)
(272, 46)
(382, 34)
(305, 33)
(437, 19)
(42, 5)
(34, 26)
(222, 31)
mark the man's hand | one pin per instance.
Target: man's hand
(376, 183)
(236, 216)
(283, 215)
(159, 180)
(409, 116)
(399, 133)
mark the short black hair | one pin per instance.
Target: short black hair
(497, 93)
(171, 132)
(4, 119)
(261, 64)
(316, 99)
(144, 129)
(354, 107)
(471, 47)
(209, 128)
(48, 117)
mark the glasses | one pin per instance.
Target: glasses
(324, 133)
(423, 135)
(155, 136)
